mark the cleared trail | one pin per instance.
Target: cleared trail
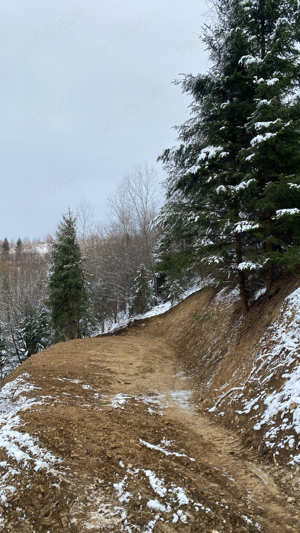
(127, 449)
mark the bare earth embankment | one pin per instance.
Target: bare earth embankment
(113, 434)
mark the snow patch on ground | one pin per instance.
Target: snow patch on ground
(19, 445)
(156, 401)
(124, 319)
(226, 297)
(183, 398)
(165, 498)
(163, 450)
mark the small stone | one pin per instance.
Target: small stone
(64, 522)
(290, 499)
(42, 491)
(165, 528)
(130, 465)
(293, 406)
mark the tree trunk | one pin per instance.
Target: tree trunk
(269, 248)
(243, 292)
(71, 328)
(241, 277)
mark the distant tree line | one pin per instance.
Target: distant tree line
(86, 276)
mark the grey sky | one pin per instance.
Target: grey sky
(79, 102)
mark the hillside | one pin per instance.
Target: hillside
(246, 374)
(185, 421)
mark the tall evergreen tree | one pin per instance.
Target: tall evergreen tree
(221, 209)
(3, 350)
(19, 248)
(5, 246)
(142, 292)
(33, 331)
(68, 297)
(273, 28)
(175, 291)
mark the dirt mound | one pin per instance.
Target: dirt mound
(107, 434)
(246, 373)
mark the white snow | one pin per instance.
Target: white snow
(209, 152)
(264, 101)
(14, 442)
(213, 259)
(261, 138)
(182, 397)
(235, 188)
(244, 225)
(290, 212)
(276, 355)
(243, 185)
(259, 293)
(123, 495)
(19, 445)
(249, 60)
(248, 265)
(165, 498)
(119, 400)
(261, 125)
(166, 452)
(156, 483)
(154, 504)
(181, 496)
(226, 297)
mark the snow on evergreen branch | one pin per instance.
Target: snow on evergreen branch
(244, 225)
(261, 138)
(283, 212)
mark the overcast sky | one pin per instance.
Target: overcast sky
(86, 93)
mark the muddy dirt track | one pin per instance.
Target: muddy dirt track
(124, 448)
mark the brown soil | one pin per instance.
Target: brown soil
(99, 444)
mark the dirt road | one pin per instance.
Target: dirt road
(102, 435)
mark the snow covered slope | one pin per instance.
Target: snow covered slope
(270, 395)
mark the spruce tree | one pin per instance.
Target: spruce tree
(68, 297)
(142, 292)
(5, 247)
(19, 248)
(175, 291)
(33, 331)
(209, 191)
(230, 202)
(273, 28)
(3, 350)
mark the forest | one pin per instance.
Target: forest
(231, 208)
(114, 256)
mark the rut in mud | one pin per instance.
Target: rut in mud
(103, 435)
